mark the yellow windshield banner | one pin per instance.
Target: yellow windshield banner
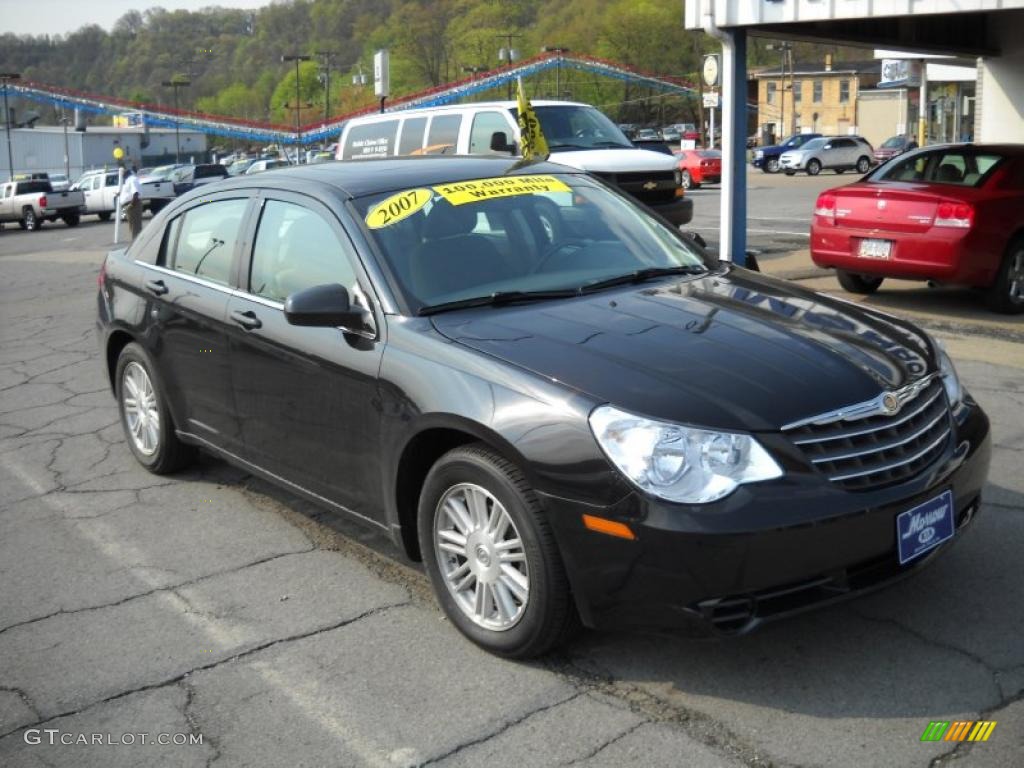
(531, 137)
(462, 192)
(397, 207)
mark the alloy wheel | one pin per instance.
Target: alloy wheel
(1016, 277)
(481, 557)
(140, 409)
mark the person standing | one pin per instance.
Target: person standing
(133, 193)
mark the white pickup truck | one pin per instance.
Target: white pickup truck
(100, 190)
(32, 202)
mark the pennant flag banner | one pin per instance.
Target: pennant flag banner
(315, 133)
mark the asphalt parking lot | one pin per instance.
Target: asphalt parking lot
(213, 605)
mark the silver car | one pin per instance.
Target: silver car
(840, 153)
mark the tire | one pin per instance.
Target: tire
(104, 215)
(1006, 295)
(840, 170)
(159, 450)
(791, 173)
(863, 164)
(854, 283)
(29, 220)
(687, 180)
(156, 206)
(813, 167)
(72, 219)
(531, 619)
(771, 165)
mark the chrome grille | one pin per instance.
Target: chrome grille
(861, 448)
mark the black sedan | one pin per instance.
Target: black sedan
(549, 395)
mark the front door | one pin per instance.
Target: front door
(189, 291)
(306, 397)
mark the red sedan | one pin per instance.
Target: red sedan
(952, 214)
(700, 166)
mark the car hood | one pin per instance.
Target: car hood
(729, 350)
(615, 160)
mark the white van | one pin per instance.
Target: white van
(578, 135)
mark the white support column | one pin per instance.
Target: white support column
(733, 232)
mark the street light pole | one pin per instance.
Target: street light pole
(176, 83)
(67, 154)
(297, 58)
(6, 78)
(559, 51)
(508, 54)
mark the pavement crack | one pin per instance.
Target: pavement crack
(192, 720)
(501, 728)
(244, 654)
(169, 588)
(25, 699)
(604, 745)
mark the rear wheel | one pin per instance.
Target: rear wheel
(813, 167)
(687, 180)
(145, 417)
(1007, 292)
(29, 220)
(104, 215)
(863, 164)
(491, 555)
(855, 283)
(772, 165)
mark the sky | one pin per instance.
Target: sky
(39, 17)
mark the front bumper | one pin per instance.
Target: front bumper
(679, 211)
(791, 163)
(769, 550)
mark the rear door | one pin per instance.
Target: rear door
(189, 287)
(306, 397)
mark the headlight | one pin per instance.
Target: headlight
(758, 153)
(677, 463)
(950, 379)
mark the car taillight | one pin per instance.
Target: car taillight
(42, 201)
(826, 206)
(953, 214)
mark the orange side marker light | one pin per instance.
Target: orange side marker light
(610, 527)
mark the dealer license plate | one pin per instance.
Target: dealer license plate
(875, 249)
(924, 527)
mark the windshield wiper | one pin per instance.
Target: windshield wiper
(497, 299)
(641, 275)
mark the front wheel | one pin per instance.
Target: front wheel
(863, 164)
(145, 417)
(855, 283)
(772, 165)
(1007, 293)
(491, 555)
(687, 180)
(813, 167)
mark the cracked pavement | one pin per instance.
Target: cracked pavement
(210, 603)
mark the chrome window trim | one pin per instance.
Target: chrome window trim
(867, 408)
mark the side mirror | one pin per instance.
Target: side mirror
(827, 146)
(500, 143)
(326, 306)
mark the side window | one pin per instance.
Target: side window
(295, 249)
(485, 124)
(412, 135)
(444, 131)
(206, 240)
(371, 140)
(111, 180)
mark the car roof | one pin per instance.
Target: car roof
(357, 178)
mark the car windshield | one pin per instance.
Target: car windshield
(893, 143)
(516, 235)
(570, 127)
(795, 141)
(814, 144)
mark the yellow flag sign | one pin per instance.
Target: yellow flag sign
(534, 145)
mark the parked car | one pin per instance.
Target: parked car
(700, 166)
(671, 134)
(767, 158)
(951, 214)
(160, 173)
(30, 203)
(578, 135)
(563, 406)
(101, 193)
(265, 165)
(838, 153)
(646, 134)
(193, 176)
(59, 182)
(895, 145)
(240, 166)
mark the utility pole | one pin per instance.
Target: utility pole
(67, 154)
(6, 78)
(176, 82)
(327, 81)
(297, 58)
(559, 51)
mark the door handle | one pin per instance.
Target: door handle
(247, 320)
(157, 287)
